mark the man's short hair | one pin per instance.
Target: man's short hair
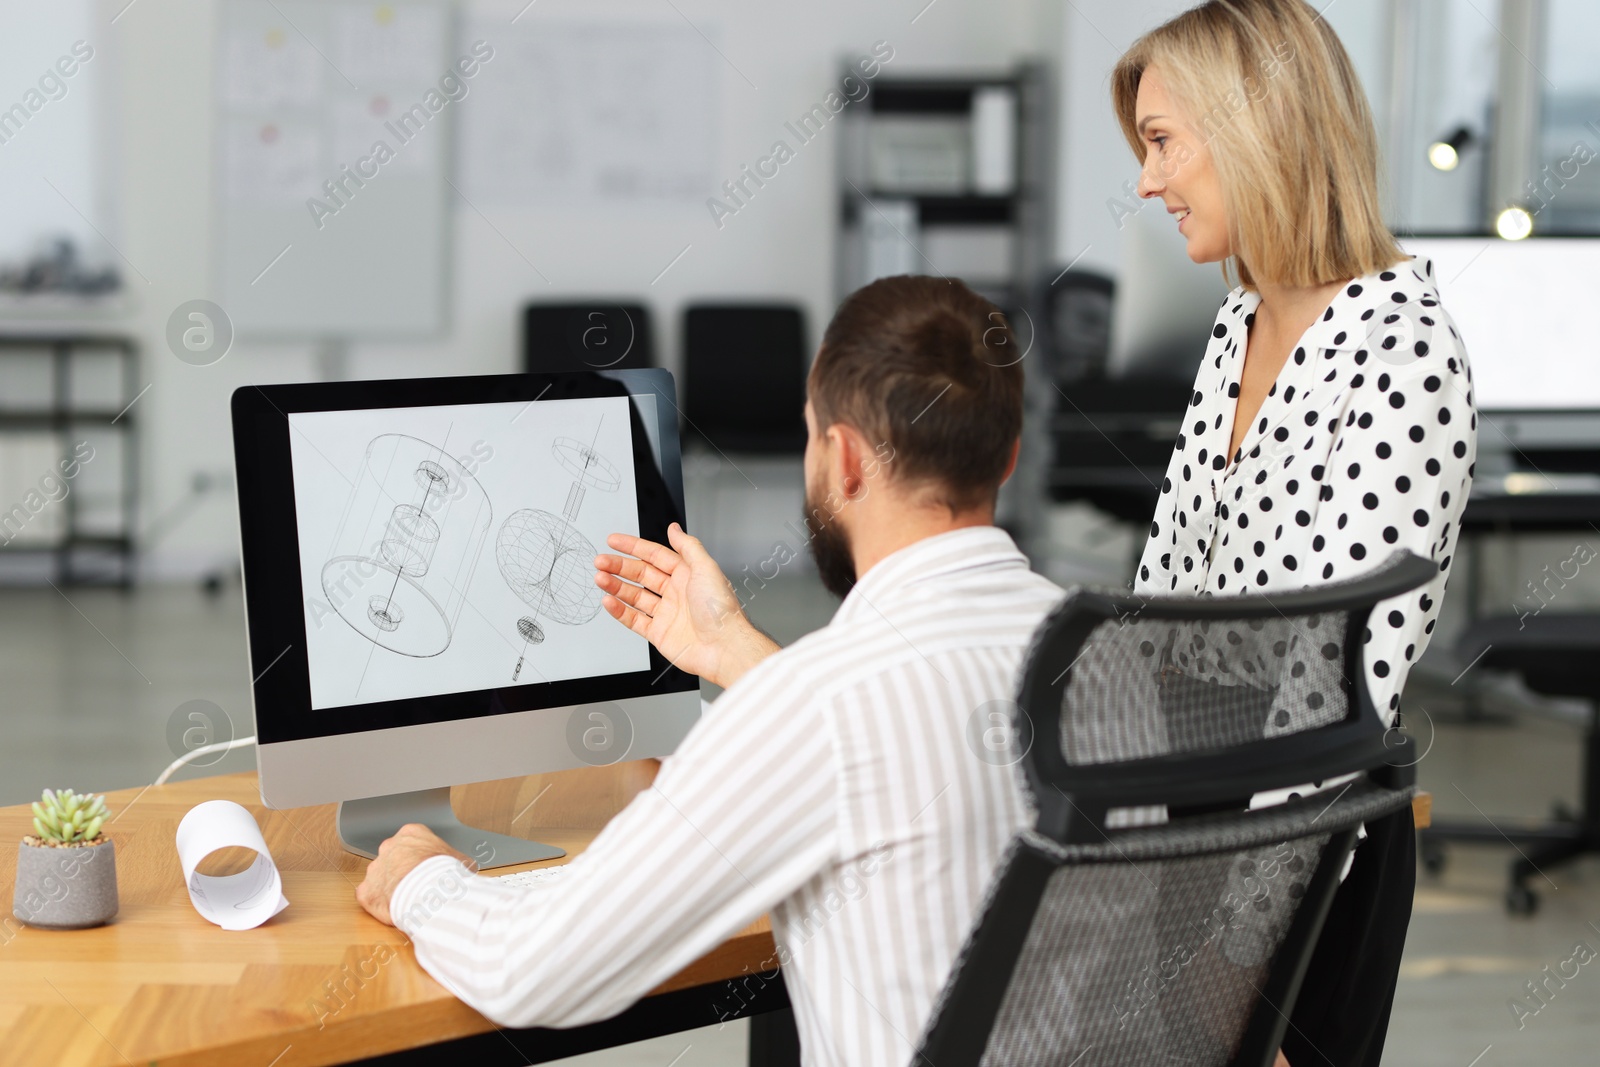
(931, 368)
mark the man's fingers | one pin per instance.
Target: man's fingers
(688, 547)
(633, 619)
(632, 595)
(659, 556)
(634, 570)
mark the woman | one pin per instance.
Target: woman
(1332, 420)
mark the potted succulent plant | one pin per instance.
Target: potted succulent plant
(67, 868)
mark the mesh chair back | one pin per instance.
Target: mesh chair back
(1147, 687)
(1185, 940)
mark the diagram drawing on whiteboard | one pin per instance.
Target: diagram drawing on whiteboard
(408, 543)
(543, 557)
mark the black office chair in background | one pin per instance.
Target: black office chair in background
(586, 335)
(1185, 941)
(1110, 437)
(744, 376)
(1073, 309)
(1551, 652)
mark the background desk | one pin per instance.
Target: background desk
(162, 985)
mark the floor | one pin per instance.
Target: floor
(101, 687)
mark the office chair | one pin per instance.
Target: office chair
(1073, 309)
(744, 376)
(586, 335)
(1551, 651)
(1183, 941)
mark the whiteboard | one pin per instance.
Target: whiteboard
(323, 234)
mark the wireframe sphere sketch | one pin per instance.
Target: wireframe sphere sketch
(545, 559)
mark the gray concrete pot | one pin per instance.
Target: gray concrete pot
(65, 888)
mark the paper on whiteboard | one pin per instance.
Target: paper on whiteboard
(270, 67)
(383, 44)
(240, 901)
(598, 112)
(358, 125)
(270, 162)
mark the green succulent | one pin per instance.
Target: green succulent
(69, 818)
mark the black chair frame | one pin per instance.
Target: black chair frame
(1073, 800)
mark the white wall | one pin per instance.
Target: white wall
(1095, 160)
(780, 246)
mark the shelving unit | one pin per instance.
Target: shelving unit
(947, 175)
(57, 391)
(969, 199)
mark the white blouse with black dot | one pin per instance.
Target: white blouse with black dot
(1365, 445)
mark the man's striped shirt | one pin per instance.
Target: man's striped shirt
(856, 786)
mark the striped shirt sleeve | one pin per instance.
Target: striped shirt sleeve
(740, 817)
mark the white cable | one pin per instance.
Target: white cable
(203, 750)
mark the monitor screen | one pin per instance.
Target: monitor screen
(450, 549)
(423, 551)
(1519, 307)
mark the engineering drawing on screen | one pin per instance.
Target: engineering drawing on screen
(543, 558)
(407, 545)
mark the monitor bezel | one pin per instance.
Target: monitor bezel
(275, 606)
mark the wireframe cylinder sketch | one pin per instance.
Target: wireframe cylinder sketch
(574, 502)
(410, 539)
(407, 544)
(585, 464)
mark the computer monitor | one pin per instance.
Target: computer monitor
(1520, 308)
(418, 572)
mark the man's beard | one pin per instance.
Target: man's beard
(830, 548)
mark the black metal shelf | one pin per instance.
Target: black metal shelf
(30, 420)
(63, 417)
(936, 209)
(932, 96)
(1018, 214)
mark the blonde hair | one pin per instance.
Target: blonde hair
(1269, 87)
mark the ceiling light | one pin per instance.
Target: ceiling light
(1514, 223)
(1445, 153)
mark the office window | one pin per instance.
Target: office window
(1445, 70)
(57, 227)
(1567, 168)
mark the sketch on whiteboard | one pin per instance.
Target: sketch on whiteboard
(543, 557)
(407, 545)
(642, 128)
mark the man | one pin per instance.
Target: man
(845, 785)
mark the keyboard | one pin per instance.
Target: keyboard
(536, 876)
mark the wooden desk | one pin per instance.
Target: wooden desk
(162, 985)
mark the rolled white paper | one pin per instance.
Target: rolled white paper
(240, 901)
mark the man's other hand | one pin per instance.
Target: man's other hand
(397, 857)
(679, 600)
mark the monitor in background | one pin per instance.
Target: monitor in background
(418, 571)
(1520, 307)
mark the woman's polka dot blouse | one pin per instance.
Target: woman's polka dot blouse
(1365, 445)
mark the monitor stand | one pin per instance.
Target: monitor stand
(365, 823)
